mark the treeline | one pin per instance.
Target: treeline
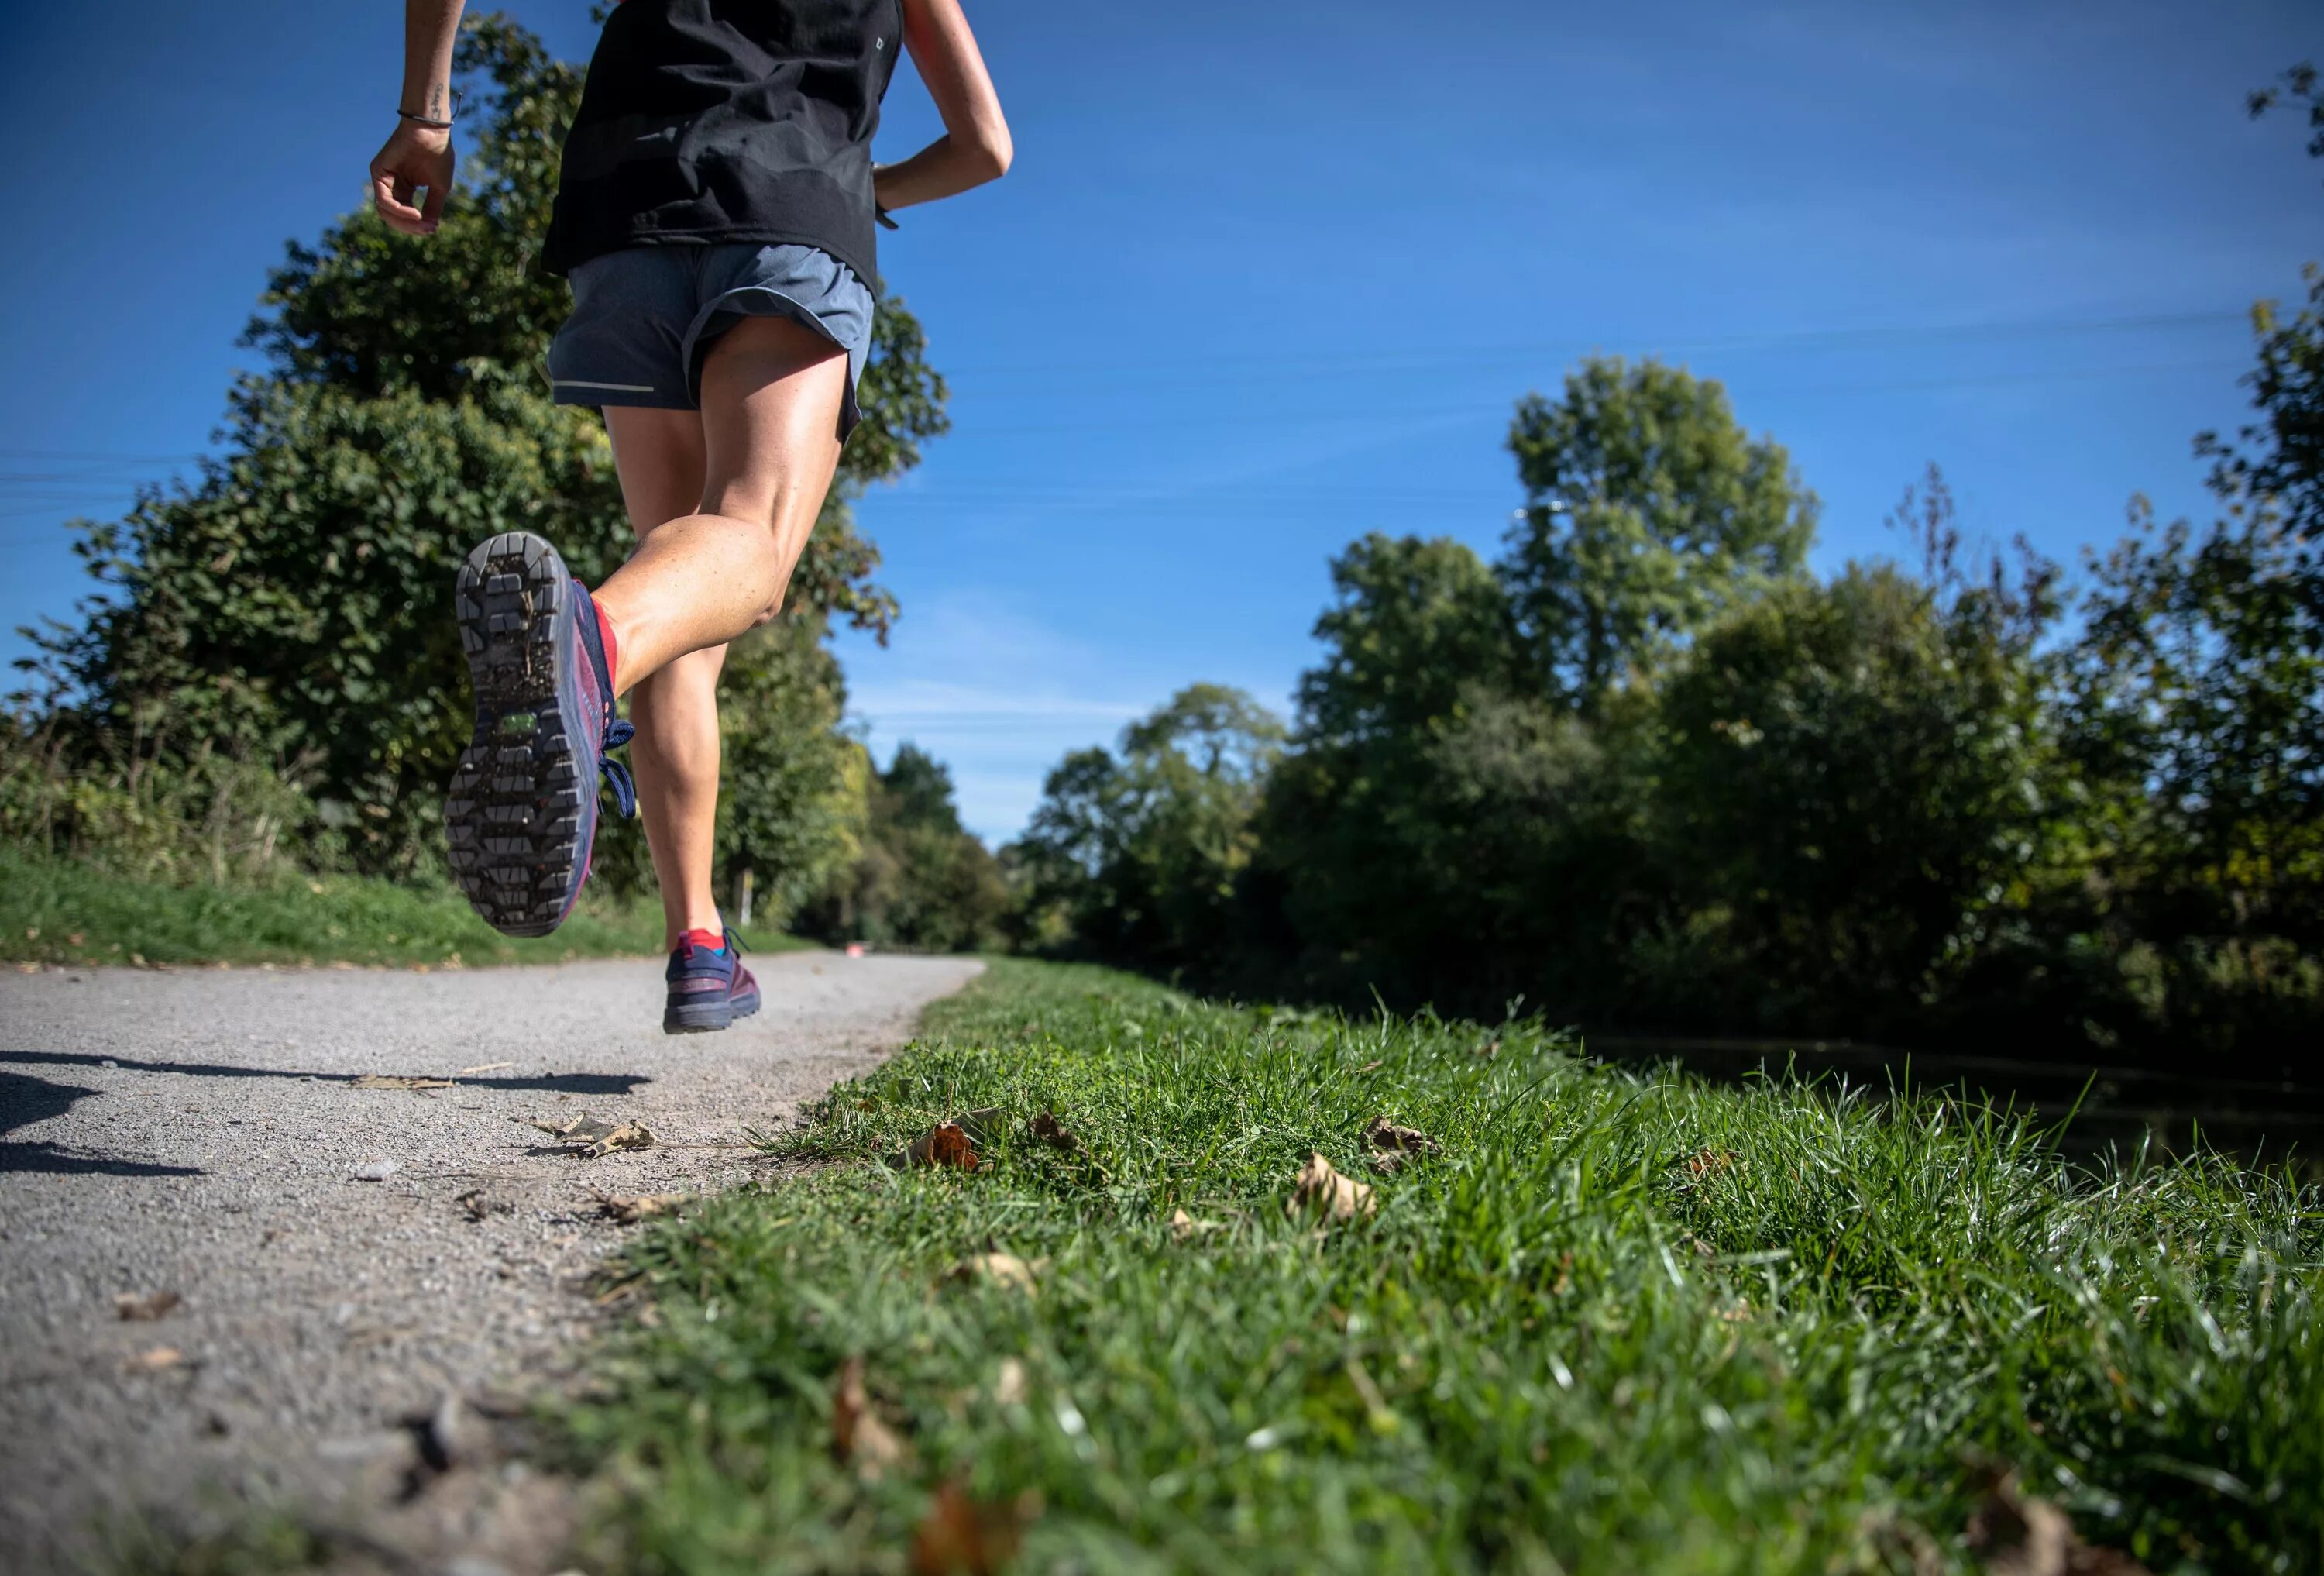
(268, 685)
(1643, 772)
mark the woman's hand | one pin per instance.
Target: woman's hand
(416, 156)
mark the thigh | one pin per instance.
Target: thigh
(771, 396)
(659, 455)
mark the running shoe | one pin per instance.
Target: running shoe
(709, 988)
(522, 813)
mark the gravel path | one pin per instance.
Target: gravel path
(201, 1133)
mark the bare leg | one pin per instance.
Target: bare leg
(771, 392)
(659, 455)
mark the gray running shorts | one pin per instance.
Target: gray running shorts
(644, 316)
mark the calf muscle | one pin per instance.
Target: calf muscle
(772, 394)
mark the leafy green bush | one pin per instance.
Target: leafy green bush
(169, 816)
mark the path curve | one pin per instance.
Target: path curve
(199, 1132)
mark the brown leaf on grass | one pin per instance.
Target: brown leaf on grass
(1383, 1134)
(1050, 1131)
(1000, 1268)
(2019, 1535)
(1490, 1049)
(979, 1124)
(155, 1359)
(1710, 1162)
(149, 1307)
(945, 1144)
(397, 1081)
(1372, 1066)
(960, 1537)
(628, 1211)
(1322, 1192)
(1392, 1146)
(858, 1438)
(1185, 1228)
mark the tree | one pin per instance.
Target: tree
(1853, 786)
(1649, 513)
(2193, 707)
(2278, 466)
(1412, 625)
(290, 606)
(1139, 858)
(921, 881)
(1359, 862)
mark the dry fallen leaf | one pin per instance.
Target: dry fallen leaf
(593, 1136)
(630, 1210)
(2019, 1535)
(580, 1129)
(1383, 1134)
(151, 1305)
(1490, 1049)
(1372, 1066)
(1185, 1228)
(154, 1360)
(1322, 1192)
(961, 1537)
(1001, 1269)
(979, 1124)
(945, 1144)
(858, 1438)
(628, 1136)
(1009, 1387)
(397, 1081)
(1392, 1146)
(478, 1203)
(1050, 1131)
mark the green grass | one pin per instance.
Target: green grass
(1618, 1324)
(63, 911)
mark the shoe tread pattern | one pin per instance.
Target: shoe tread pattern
(512, 819)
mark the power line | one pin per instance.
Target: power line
(94, 456)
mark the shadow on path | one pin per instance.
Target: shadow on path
(554, 1083)
(25, 1100)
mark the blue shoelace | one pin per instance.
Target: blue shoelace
(618, 732)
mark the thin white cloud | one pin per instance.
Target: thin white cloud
(996, 692)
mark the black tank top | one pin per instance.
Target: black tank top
(728, 120)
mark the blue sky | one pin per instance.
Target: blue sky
(1265, 278)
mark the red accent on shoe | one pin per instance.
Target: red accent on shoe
(605, 633)
(708, 940)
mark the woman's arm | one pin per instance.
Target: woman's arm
(975, 147)
(419, 154)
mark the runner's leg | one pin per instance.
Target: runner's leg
(659, 455)
(772, 394)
